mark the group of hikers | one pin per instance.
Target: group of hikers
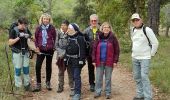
(97, 44)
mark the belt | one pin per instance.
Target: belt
(72, 56)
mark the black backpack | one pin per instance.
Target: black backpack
(144, 31)
(73, 47)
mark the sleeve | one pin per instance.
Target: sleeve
(94, 50)
(36, 36)
(153, 40)
(54, 36)
(12, 34)
(116, 49)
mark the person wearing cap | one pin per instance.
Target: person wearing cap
(75, 56)
(61, 43)
(141, 56)
(91, 32)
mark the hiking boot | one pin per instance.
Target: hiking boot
(96, 95)
(72, 92)
(37, 88)
(138, 98)
(76, 97)
(28, 87)
(48, 86)
(60, 89)
(108, 96)
(92, 88)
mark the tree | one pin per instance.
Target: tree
(82, 11)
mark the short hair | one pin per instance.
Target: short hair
(45, 15)
(23, 20)
(94, 15)
(65, 22)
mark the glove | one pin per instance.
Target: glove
(21, 34)
(26, 36)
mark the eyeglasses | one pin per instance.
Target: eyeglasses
(133, 20)
(93, 20)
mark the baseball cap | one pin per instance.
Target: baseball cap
(135, 15)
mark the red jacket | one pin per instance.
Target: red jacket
(112, 50)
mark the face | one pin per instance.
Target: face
(22, 26)
(106, 29)
(93, 22)
(64, 27)
(137, 22)
(71, 31)
(45, 20)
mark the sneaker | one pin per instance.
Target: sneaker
(92, 88)
(108, 96)
(96, 95)
(28, 87)
(37, 88)
(76, 97)
(60, 89)
(138, 98)
(72, 92)
(48, 86)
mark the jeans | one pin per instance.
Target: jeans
(140, 73)
(76, 71)
(21, 62)
(38, 66)
(62, 68)
(91, 71)
(100, 72)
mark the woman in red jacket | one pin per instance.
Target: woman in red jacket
(45, 36)
(105, 56)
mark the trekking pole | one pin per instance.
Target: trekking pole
(9, 69)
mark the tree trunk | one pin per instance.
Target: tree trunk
(153, 15)
(167, 31)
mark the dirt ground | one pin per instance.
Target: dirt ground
(123, 86)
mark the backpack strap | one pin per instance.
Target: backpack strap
(144, 31)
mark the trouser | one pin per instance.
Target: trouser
(100, 72)
(91, 71)
(62, 68)
(21, 62)
(39, 61)
(140, 72)
(76, 71)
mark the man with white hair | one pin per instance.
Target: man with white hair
(144, 46)
(92, 31)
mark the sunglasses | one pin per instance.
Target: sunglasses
(135, 20)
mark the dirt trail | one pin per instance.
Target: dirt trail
(123, 86)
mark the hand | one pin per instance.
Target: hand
(37, 50)
(115, 65)
(26, 36)
(21, 34)
(94, 64)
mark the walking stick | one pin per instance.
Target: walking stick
(9, 69)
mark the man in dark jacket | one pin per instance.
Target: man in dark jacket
(91, 32)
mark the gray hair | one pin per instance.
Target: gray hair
(94, 16)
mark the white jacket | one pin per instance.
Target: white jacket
(140, 44)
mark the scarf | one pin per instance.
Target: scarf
(44, 34)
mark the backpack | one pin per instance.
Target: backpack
(144, 31)
(73, 48)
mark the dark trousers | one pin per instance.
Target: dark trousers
(39, 62)
(76, 71)
(91, 71)
(62, 68)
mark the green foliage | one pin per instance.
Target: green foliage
(82, 12)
